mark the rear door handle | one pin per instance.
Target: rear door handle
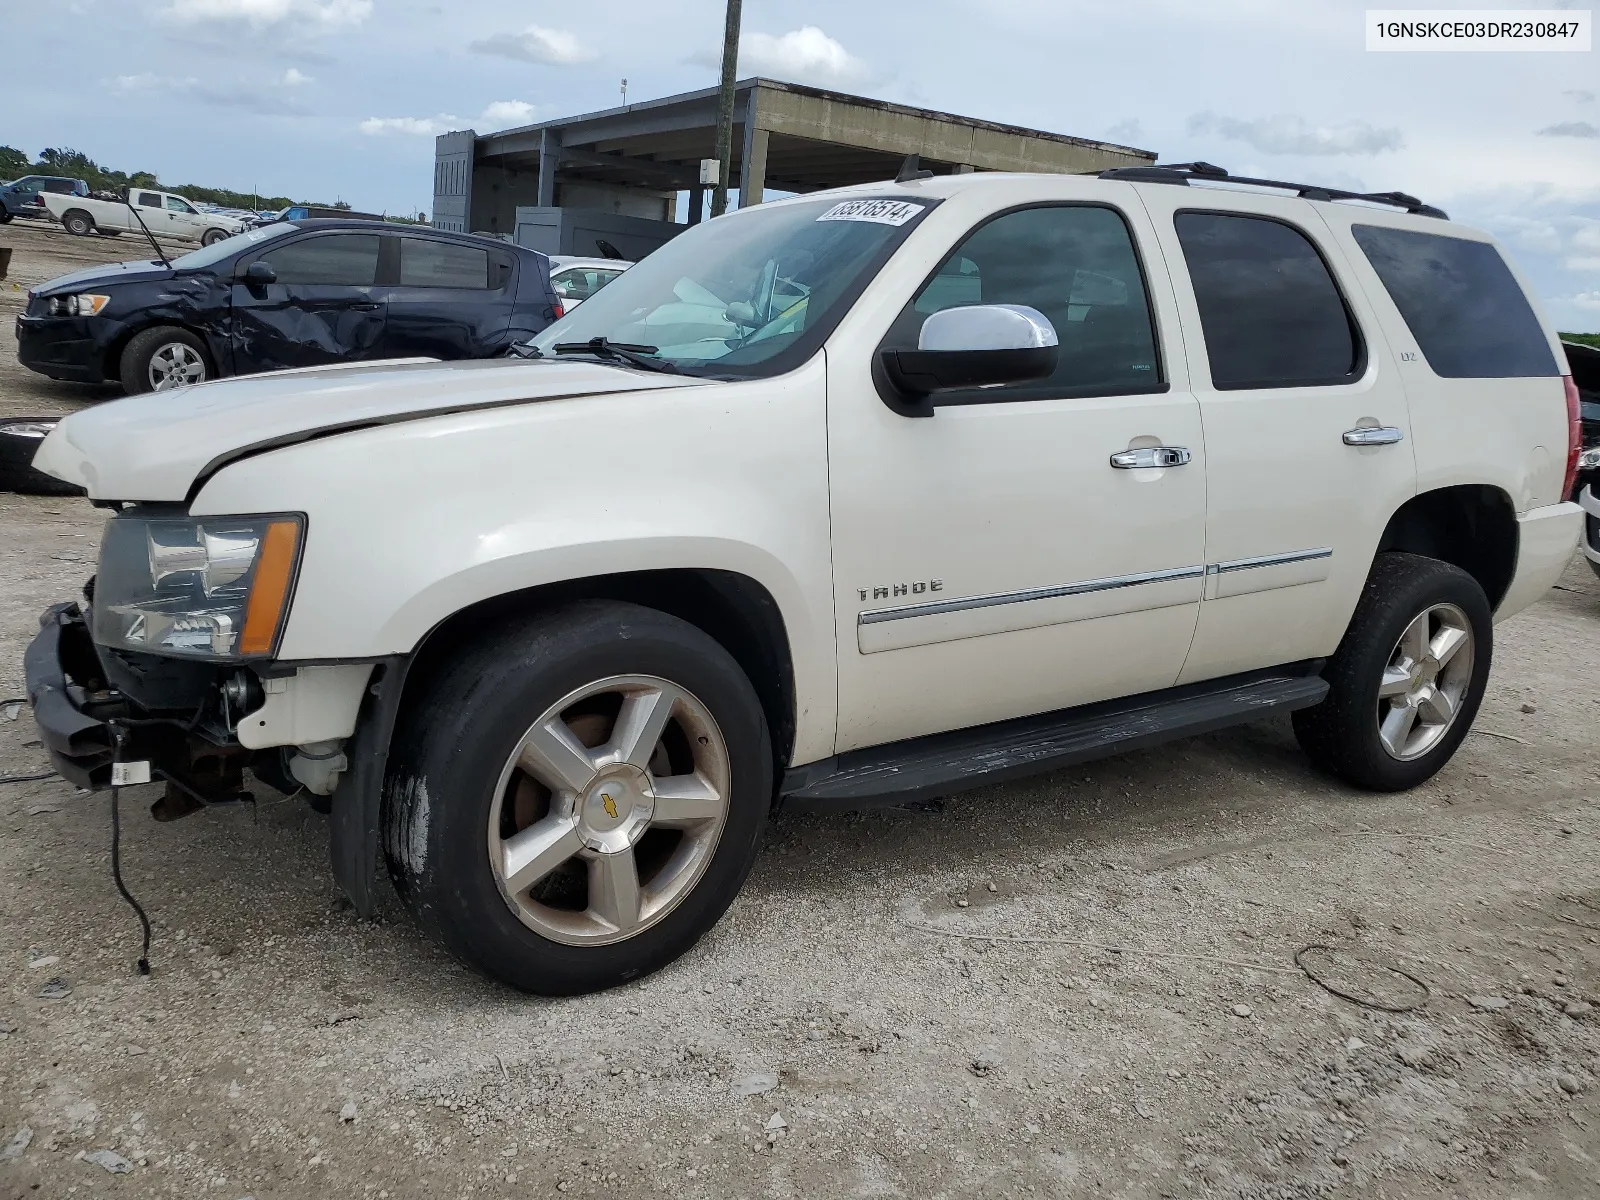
(365, 307)
(1151, 456)
(1373, 435)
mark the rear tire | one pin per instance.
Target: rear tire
(77, 222)
(163, 357)
(612, 884)
(1407, 680)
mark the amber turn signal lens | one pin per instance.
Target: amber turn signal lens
(269, 594)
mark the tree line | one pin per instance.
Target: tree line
(74, 164)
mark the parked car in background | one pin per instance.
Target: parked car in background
(20, 197)
(1583, 362)
(306, 212)
(164, 214)
(290, 294)
(576, 279)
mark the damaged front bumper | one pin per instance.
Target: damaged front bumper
(82, 706)
(201, 725)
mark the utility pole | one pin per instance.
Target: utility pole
(730, 72)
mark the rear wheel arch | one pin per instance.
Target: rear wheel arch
(1471, 526)
(736, 611)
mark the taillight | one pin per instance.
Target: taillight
(1574, 436)
(561, 312)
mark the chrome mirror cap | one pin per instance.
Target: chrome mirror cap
(987, 327)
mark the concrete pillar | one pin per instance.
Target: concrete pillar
(753, 163)
(964, 169)
(697, 204)
(549, 161)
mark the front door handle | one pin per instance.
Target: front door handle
(365, 306)
(1373, 435)
(1151, 456)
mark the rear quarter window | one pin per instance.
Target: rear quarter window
(1460, 301)
(430, 264)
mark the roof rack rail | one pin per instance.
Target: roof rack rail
(1181, 173)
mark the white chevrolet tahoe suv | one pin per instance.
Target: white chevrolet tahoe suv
(854, 498)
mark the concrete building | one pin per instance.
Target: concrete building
(562, 185)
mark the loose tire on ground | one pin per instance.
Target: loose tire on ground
(456, 794)
(1391, 659)
(17, 449)
(145, 359)
(77, 222)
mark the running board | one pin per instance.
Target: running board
(942, 763)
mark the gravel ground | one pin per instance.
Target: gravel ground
(1082, 984)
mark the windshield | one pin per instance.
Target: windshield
(208, 256)
(747, 295)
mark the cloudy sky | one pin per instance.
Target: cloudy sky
(340, 98)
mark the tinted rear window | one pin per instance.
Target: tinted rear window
(425, 263)
(1271, 313)
(1461, 303)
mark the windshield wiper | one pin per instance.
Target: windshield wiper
(634, 356)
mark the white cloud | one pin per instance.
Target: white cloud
(805, 55)
(149, 81)
(1126, 130)
(330, 14)
(415, 126)
(505, 113)
(1572, 129)
(263, 99)
(1286, 134)
(499, 115)
(294, 78)
(1589, 301)
(536, 44)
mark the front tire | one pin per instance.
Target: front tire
(161, 358)
(576, 799)
(1408, 678)
(77, 222)
(212, 236)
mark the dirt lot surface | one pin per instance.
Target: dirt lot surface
(1078, 985)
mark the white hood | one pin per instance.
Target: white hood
(154, 446)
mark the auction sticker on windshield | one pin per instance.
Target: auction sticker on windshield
(879, 212)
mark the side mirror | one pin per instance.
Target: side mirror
(978, 345)
(260, 272)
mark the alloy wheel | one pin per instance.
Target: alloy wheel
(609, 810)
(1429, 671)
(175, 365)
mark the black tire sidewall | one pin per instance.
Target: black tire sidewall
(1344, 729)
(470, 733)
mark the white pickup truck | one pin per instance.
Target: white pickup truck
(163, 213)
(855, 498)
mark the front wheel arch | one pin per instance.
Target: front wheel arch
(735, 610)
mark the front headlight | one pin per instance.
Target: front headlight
(82, 305)
(196, 587)
(1589, 459)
